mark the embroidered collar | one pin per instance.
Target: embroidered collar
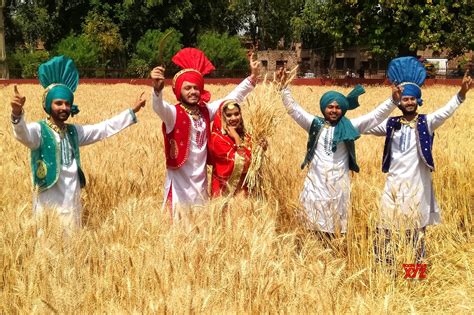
(411, 123)
(327, 124)
(60, 131)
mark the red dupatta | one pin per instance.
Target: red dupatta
(229, 162)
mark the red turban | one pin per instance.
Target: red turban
(195, 65)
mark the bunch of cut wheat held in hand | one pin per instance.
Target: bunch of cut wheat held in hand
(265, 112)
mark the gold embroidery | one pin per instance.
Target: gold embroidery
(234, 179)
(41, 169)
(173, 149)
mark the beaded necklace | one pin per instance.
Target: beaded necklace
(60, 131)
(194, 111)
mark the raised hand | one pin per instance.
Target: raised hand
(18, 101)
(254, 66)
(397, 91)
(281, 75)
(158, 77)
(139, 103)
(466, 84)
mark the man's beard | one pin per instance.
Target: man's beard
(62, 116)
(183, 101)
(408, 112)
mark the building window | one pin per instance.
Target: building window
(350, 63)
(265, 64)
(281, 63)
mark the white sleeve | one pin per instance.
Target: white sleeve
(380, 130)
(436, 119)
(375, 117)
(302, 117)
(89, 134)
(28, 134)
(165, 110)
(238, 94)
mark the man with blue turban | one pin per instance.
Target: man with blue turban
(54, 144)
(408, 202)
(331, 154)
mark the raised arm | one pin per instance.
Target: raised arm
(374, 118)
(375, 122)
(92, 133)
(302, 117)
(242, 90)
(165, 110)
(380, 130)
(437, 118)
(29, 135)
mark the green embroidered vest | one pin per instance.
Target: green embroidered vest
(46, 159)
(314, 133)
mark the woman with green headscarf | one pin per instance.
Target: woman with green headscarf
(331, 154)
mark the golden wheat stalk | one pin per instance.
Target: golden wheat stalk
(265, 115)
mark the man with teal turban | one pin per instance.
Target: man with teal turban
(54, 144)
(331, 154)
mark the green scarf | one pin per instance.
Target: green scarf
(344, 130)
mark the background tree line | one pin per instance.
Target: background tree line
(125, 34)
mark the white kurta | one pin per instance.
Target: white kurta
(408, 199)
(326, 191)
(64, 196)
(189, 182)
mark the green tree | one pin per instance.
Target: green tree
(387, 27)
(225, 52)
(266, 22)
(101, 30)
(147, 53)
(82, 50)
(29, 22)
(28, 61)
(34, 24)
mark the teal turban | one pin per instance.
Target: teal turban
(59, 76)
(59, 92)
(344, 130)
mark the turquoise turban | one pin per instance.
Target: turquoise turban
(60, 92)
(59, 76)
(344, 130)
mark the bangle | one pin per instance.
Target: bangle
(16, 118)
(253, 81)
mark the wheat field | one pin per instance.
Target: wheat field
(252, 258)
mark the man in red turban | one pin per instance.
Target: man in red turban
(186, 125)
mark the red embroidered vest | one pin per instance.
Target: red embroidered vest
(177, 142)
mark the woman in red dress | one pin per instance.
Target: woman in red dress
(230, 150)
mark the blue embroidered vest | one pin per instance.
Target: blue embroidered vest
(314, 133)
(424, 142)
(46, 159)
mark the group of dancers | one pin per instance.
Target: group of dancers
(198, 132)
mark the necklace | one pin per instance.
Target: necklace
(60, 131)
(411, 123)
(194, 111)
